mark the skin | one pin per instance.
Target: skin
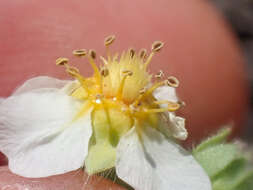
(199, 50)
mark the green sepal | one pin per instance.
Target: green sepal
(215, 158)
(217, 139)
(226, 164)
(235, 175)
(101, 157)
(108, 126)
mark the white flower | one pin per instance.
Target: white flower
(116, 118)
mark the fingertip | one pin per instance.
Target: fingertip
(76, 180)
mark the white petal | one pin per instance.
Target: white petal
(173, 126)
(166, 93)
(177, 125)
(39, 136)
(157, 163)
(1, 100)
(40, 82)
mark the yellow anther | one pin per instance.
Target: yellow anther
(143, 53)
(172, 81)
(109, 40)
(143, 90)
(159, 75)
(162, 102)
(172, 105)
(92, 54)
(80, 52)
(181, 103)
(104, 72)
(127, 73)
(171, 108)
(157, 46)
(62, 61)
(131, 52)
(73, 71)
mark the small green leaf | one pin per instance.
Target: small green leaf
(233, 176)
(214, 140)
(216, 158)
(225, 163)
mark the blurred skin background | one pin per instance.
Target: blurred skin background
(208, 55)
(239, 15)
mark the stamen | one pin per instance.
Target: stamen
(159, 75)
(104, 60)
(104, 72)
(74, 72)
(156, 46)
(143, 90)
(171, 108)
(92, 53)
(132, 53)
(91, 58)
(126, 73)
(149, 91)
(80, 52)
(109, 40)
(162, 102)
(173, 81)
(143, 53)
(181, 103)
(169, 103)
(62, 61)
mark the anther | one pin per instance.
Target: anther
(62, 61)
(157, 46)
(131, 52)
(127, 73)
(143, 53)
(143, 90)
(109, 40)
(172, 81)
(104, 72)
(181, 103)
(159, 75)
(73, 71)
(171, 108)
(80, 52)
(92, 54)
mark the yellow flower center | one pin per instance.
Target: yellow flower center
(121, 95)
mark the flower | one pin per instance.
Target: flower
(116, 118)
